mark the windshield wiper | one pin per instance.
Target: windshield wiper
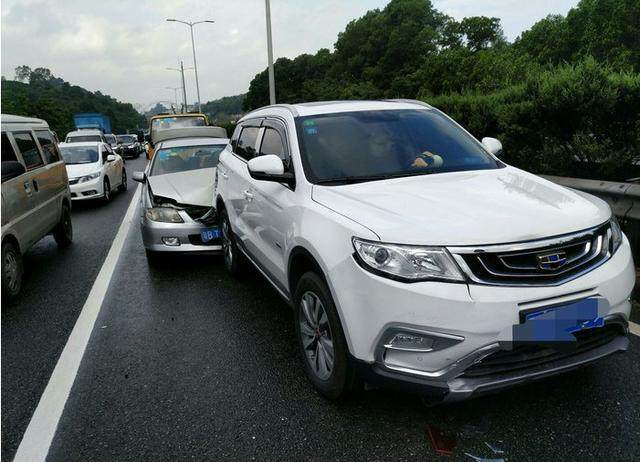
(365, 178)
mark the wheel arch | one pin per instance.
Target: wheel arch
(13, 239)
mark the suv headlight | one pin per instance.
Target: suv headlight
(406, 262)
(616, 234)
(85, 178)
(164, 215)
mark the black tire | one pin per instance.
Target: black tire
(12, 270)
(234, 259)
(63, 232)
(106, 198)
(123, 186)
(343, 380)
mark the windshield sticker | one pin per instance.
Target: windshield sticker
(311, 130)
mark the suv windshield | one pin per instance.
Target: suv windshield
(184, 158)
(371, 145)
(111, 139)
(83, 138)
(127, 139)
(165, 123)
(79, 154)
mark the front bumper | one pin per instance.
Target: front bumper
(476, 316)
(93, 189)
(155, 234)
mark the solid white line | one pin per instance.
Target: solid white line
(39, 434)
(634, 328)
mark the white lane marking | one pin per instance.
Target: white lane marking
(39, 434)
(634, 328)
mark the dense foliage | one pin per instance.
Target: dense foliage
(37, 93)
(224, 110)
(564, 97)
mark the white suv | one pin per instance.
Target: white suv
(413, 256)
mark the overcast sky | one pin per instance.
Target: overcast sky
(123, 47)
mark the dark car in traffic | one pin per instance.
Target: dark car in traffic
(128, 146)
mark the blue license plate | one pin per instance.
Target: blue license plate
(209, 234)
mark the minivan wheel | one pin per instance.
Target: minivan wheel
(233, 259)
(123, 185)
(63, 232)
(321, 339)
(107, 190)
(12, 270)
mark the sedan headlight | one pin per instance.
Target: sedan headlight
(164, 215)
(406, 262)
(85, 178)
(616, 234)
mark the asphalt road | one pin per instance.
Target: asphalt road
(36, 326)
(186, 363)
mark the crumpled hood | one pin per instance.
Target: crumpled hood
(78, 170)
(193, 187)
(465, 208)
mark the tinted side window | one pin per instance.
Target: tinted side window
(8, 154)
(272, 144)
(246, 144)
(48, 145)
(29, 149)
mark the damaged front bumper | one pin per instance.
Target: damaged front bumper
(490, 368)
(181, 237)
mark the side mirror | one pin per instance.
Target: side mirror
(12, 169)
(492, 145)
(111, 158)
(269, 168)
(140, 177)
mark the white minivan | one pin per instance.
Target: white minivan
(413, 256)
(35, 194)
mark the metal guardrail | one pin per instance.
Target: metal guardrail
(624, 199)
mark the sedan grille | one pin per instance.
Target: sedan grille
(551, 262)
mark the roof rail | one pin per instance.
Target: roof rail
(405, 100)
(290, 107)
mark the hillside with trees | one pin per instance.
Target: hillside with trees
(224, 110)
(38, 93)
(564, 97)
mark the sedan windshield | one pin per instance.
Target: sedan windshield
(127, 139)
(185, 158)
(111, 139)
(83, 138)
(79, 154)
(371, 145)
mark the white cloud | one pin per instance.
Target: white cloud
(123, 47)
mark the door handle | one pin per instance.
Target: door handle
(248, 195)
(35, 185)
(224, 175)
(27, 188)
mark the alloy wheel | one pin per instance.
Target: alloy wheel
(317, 339)
(11, 271)
(227, 248)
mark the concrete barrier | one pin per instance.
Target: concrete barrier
(624, 199)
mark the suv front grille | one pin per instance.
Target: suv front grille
(550, 262)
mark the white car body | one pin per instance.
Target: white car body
(87, 189)
(85, 135)
(465, 212)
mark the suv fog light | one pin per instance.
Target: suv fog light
(171, 241)
(410, 342)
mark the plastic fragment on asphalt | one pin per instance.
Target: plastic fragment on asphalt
(442, 442)
(483, 459)
(494, 449)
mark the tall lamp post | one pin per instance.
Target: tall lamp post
(272, 79)
(193, 48)
(175, 93)
(184, 88)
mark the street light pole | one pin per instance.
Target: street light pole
(175, 93)
(272, 80)
(193, 49)
(184, 88)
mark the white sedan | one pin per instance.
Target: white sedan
(94, 170)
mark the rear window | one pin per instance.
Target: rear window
(166, 123)
(29, 150)
(8, 154)
(79, 154)
(83, 138)
(185, 158)
(48, 145)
